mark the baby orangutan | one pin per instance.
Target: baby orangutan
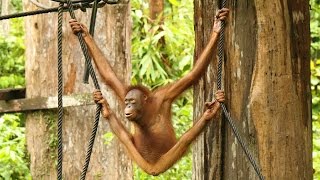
(153, 146)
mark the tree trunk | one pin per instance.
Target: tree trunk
(267, 90)
(207, 148)
(5, 24)
(112, 35)
(155, 9)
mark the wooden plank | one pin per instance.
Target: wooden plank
(9, 94)
(39, 103)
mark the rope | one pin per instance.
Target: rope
(96, 84)
(30, 13)
(81, 6)
(91, 31)
(60, 92)
(60, 10)
(225, 111)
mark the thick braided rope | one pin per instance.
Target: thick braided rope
(226, 113)
(84, 49)
(16, 15)
(96, 84)
(60, 92)
(91, 31)
(220, 55)
(44, 11)
(91, 142)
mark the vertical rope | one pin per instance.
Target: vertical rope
(96, 84)
(220, 55)
(84, 49)
(91, 142)
(91, 31)
(224, 109)
(60, 92)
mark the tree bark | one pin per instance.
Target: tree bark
(112, 35)
(155, 9)
(267, 55)
(207, 148)
(5, 24)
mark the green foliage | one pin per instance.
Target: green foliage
(315, 28)
(315, 82)
(50, 118)
(12, 57)
(13, 160)
(14, 163)
(107, 138)
(16, 5)
(155, 62)
(182, 113)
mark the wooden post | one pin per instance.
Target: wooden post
(266, 80)
(113, 37)
(5, 25)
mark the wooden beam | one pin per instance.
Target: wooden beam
(40, 103)
(9, 94)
